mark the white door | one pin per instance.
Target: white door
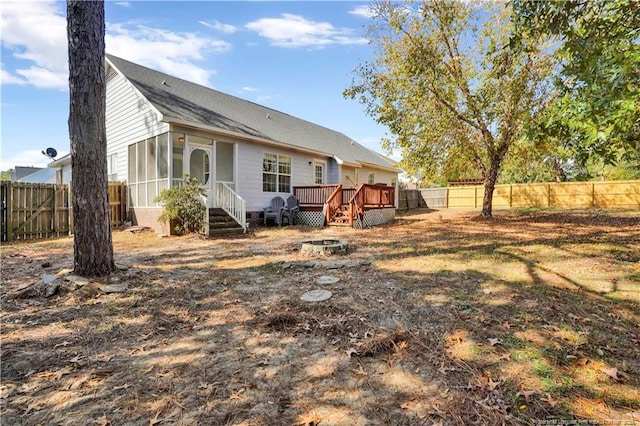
(201, 167)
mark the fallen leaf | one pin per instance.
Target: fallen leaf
(408, 405)
(552, 402)
(76, 359)
(62, 372)
(491, 385)
(351, 351)
(103, 421)
(65, 343)
(493, 341)
(359, 372)
(611, 372)
(506, 357)
(506, 325)
(526, 394)
(104, 358)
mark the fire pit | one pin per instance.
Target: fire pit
(324, 247)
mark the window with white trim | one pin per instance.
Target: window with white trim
(276, 173)
(112, 167)
(371, 179)
(318, 173)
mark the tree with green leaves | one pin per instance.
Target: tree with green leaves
(92, 245)
(446, 83)
(6, 174)
(596, 114)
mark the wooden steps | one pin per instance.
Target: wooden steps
(341, 217)
(221, 224)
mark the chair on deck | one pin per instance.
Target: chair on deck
(289, 211)
(274, 211)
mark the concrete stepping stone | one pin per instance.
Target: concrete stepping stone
(327, 279)
(316, 296)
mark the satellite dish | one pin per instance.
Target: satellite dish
(51, 153)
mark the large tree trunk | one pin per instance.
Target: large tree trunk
(93, 250)
(490, 179)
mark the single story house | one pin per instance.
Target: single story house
(161, 128)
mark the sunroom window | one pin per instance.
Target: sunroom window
(148, 170)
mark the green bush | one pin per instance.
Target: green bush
(183, 206)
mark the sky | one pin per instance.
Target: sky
(295, 57)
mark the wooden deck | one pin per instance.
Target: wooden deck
(343, 206)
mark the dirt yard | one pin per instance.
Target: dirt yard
(438, 318)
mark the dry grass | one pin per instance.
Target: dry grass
(438, 318)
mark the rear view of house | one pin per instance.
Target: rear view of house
(161, 128)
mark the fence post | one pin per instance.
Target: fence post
(593, 194)
(70, 209)
(10, 211)
(510, 196)
(54, 224)
(548, 195)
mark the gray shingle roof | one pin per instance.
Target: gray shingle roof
(179, 99)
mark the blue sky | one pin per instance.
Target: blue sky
(296, 57)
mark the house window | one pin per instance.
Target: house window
(276, 173)
(318, 174)
(147, 170)
(112, 167)
(371, 179)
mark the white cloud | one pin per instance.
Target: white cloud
(219, 26)
(35, 35)
(363, 11)
(296, 31)
(7, 78)
(249, 89)
(166, 51)
(27, 158)
(123, 3)
(36, 32)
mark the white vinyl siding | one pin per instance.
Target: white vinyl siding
(129, 119)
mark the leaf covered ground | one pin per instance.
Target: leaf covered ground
(437, 318)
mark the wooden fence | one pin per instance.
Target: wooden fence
(33, 211)
(603, 195)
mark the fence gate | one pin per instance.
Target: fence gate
(32, 211)
(435, 198)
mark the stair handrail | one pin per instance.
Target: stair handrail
(232, 203)
(356, 204)
(333, 203)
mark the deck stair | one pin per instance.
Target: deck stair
(341, 216)
(222, 224)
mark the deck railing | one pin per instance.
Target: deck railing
(313, 196)
(331, 198)
(232, 203)
(334, 202)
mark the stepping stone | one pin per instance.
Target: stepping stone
(327, 279)
(48, 279)
(114, 288)
(77, 280)
(52, 289)
(316, 296)
(334, 266)
(309, 264)
(286, 265)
